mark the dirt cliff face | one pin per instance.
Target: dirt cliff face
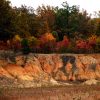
(44, 67)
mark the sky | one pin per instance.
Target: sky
(89, 5)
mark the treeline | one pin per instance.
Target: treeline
(67, 24)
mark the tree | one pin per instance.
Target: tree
(66, 19)
(62, 15)
(46, 16)
(83, 20)
(96, 26)
(22, 21)
(5, 20)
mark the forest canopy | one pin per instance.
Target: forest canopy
(62, 28)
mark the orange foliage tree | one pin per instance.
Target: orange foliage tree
(47, 43)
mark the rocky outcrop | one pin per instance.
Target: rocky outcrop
(91, 82)
(47, 67)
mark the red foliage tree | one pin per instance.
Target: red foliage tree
(63, 44)
(83, 46)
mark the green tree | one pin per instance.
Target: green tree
(46, 16)
(5, 20)
(66, 19)
(21, 21)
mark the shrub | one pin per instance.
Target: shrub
(34, 44)
(62, 46)
(15, 43)
(25, 46)
(48, 47)
(46, 37)
(92, 40)
(33, 41)
(55, 34)
(98, 45)
(47, 43)
(98, 40)
(83, 46)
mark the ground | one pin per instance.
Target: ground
(74, 92)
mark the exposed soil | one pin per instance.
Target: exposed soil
(75, 92)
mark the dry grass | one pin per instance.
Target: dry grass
(75, 92)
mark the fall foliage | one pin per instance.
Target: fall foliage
(48, 29)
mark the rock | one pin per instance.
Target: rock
(50, 68)
(68, 68)
(87, 67)
(58, 63)
(20, 60)
(60, 76)
(4, 72)
(46, 62)
(54, 82)
(9, 56)
(47, 68)
(35, 69)
(3, 63)
(17, 72)
(91, 82)
(6, 81)
(88, 62)
(64, 84)
(25, 77)
(32, 70)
